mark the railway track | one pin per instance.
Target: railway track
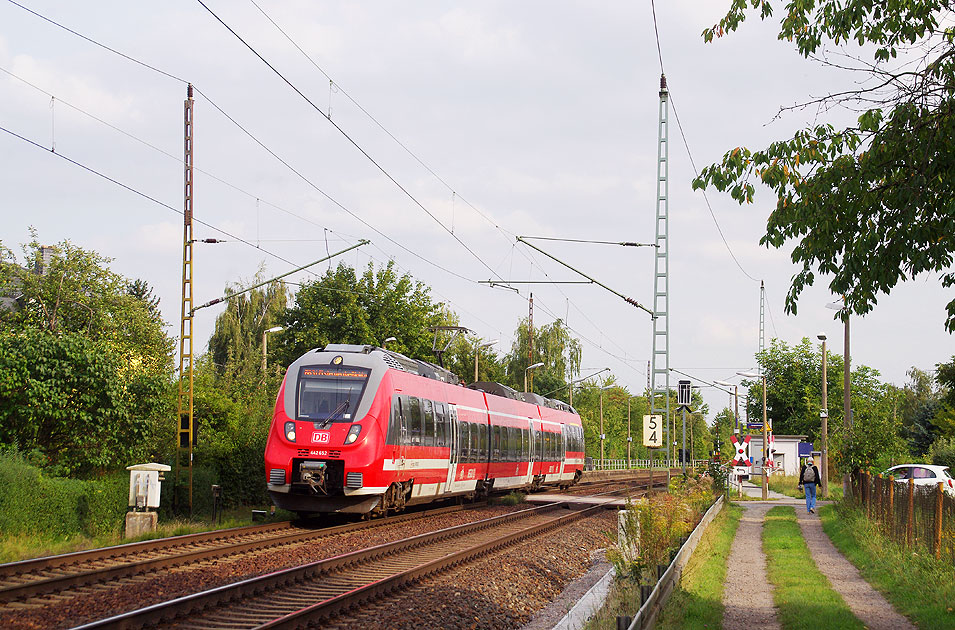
(319, 591)
(20, 581)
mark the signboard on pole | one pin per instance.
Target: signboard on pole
(683, 394)
(652, 433)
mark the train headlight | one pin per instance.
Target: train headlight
(353, 433)
(290, 431)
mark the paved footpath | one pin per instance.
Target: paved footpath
(748, 594)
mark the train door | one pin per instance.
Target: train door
(453, 443)
(402, 432)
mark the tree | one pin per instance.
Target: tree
(881, 189)
(341, 307)
(85, 362)
(236, 344)
(64, 288)
(794, 388)
(555, 347)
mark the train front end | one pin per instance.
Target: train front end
(324, 450)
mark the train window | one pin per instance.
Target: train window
(427, 411)
(464, 442)
(441, 425)
(329, 394)
(497, 457)
(514, 435)
(413, 420)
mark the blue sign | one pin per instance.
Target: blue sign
(805, 449)
(754, 425)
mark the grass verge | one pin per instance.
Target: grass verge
(803, 596)
(697, 600)
(701, 583)
(917, 585)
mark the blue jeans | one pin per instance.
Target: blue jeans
(810, 489)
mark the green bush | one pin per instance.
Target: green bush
(32, 502)
(942, 452)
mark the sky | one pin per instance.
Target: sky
(452, 127)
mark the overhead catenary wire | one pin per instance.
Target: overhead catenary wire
(129, 188)
(455, 195)
(686, 144)
(247, 132)
(527, 255)
(348, 137)
(177, 158)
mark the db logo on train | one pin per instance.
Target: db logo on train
(321, 437)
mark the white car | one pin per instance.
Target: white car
(923, 475)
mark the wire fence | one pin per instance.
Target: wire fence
(916, 515)
(623, 464)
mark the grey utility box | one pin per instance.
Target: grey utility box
(144, 484)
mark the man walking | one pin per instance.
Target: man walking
(808, 478)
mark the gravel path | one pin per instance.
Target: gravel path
(866, 603)
(747, 594)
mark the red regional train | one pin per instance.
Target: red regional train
(360, 429)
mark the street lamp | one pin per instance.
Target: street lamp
(528, 369)
(824, 419)
(384, 344)
(264, 334)
(477, 351)
(765, 433)
(735, 396)
(602, 434)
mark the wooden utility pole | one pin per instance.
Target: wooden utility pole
(185, 407)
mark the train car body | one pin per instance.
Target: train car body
(361, 429)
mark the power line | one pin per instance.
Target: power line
(348, 137)
(178, 159)
(96, 43)
(696, 173)
(248, 133)
(141, 194)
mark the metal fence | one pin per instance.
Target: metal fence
(919, 516)
(622, 464)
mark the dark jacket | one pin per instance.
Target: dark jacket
(802, 475)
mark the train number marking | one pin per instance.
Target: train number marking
(318, 453)
(321, 437)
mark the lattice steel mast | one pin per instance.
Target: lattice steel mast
(185, 416)
(660, 370)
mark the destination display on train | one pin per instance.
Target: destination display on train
(336, 373)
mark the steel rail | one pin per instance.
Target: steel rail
(56, 583)
(164, 613)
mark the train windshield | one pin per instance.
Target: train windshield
(329, 394)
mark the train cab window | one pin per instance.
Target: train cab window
(427, 411)
(413, 420)
(329, 394)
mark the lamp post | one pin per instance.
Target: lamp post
(629, 439)
(264, 344)
(602, 435)
(528, 369)
(477, 352)
(765, 432)
(824, 419)
(384, 344)
(846, 393)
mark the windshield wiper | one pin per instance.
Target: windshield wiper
(341, 408)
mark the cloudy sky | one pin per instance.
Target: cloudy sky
(498, 119)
